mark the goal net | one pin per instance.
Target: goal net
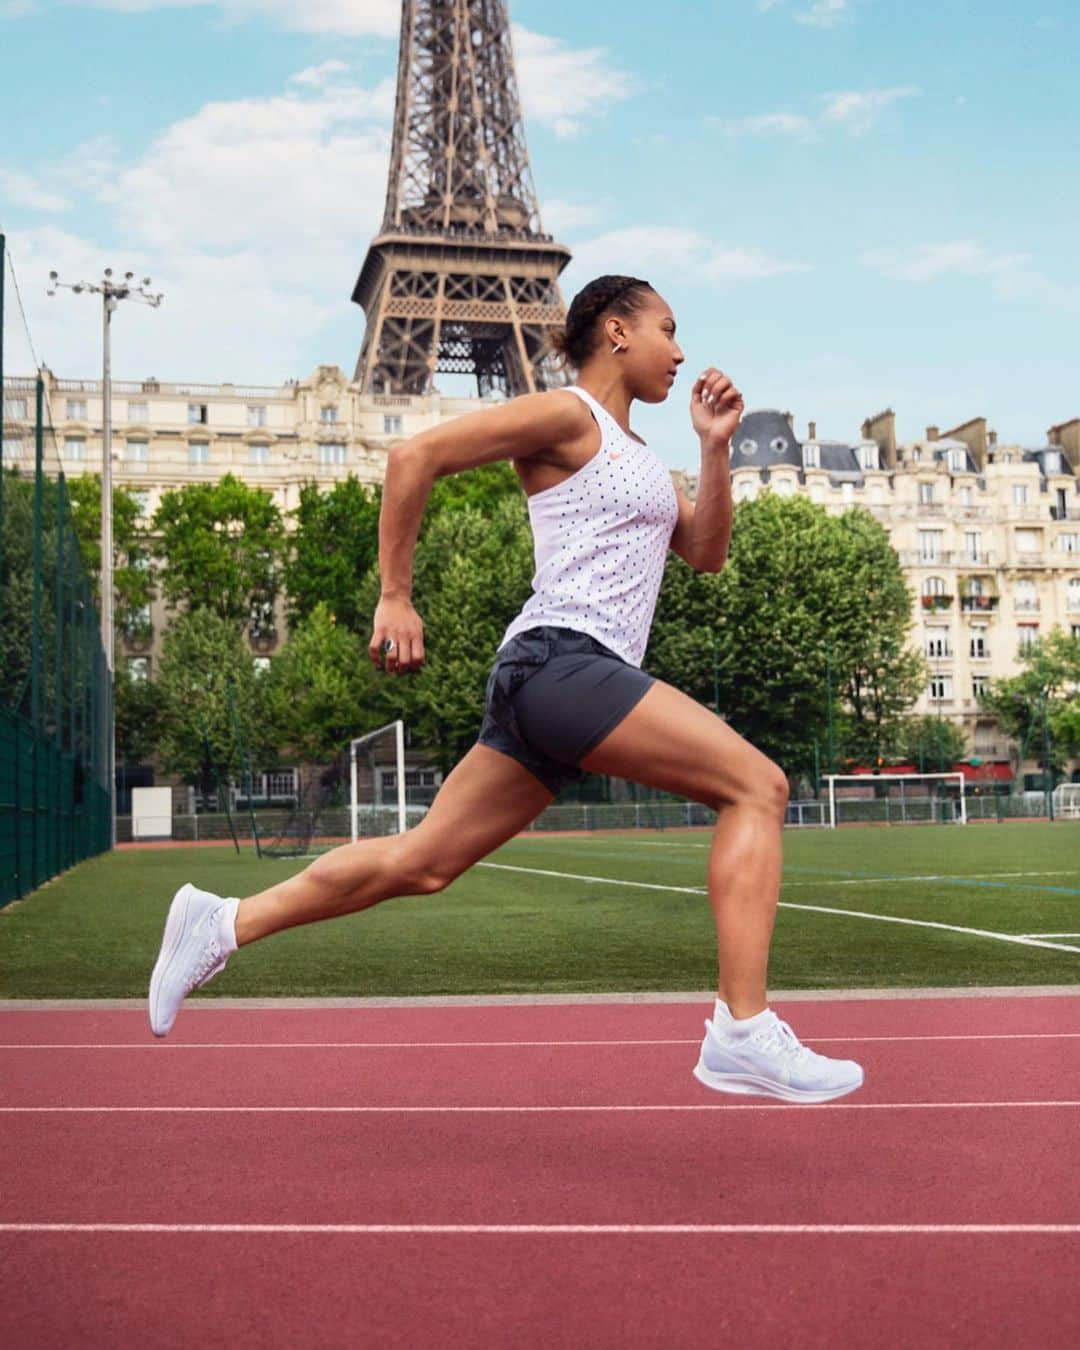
(1067, 801)
(377, 782)
(897, 799)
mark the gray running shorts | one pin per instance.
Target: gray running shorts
(553, 695)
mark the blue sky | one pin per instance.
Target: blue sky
(849, 203)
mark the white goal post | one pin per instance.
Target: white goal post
(1066, 800)
(398, 728)
(874, 779)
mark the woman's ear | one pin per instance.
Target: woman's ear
(615, 330)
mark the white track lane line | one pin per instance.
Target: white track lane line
(562, 1229)
(487, 1045)
(524, 1110)
(788, 904)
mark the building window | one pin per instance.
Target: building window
(1074, 630)
(847, 493)
(958, 460)
(138, 412)
(259, 455)
(929, 545)
(1072, 595)
(392, 425)
(1067, 543)
(748, 447)
(937, 643)
(11, 450)
(811, 457)
(198, 414)
(138, 452)
(75, 410)
(785, 487)
(198, 452)
(331, 452)
(868, 457)
(1025, 595)
(926, 494)
(978, 649)
(972, 540)
(75, 448)
(141, 498)
(967, 496)
(980, 684)
(1028, 541)
(139, 669)
(934, 586)
(328, 414)
(15, 409)
(940, 688)
(1020, 494)
(256, 415)
(1052, 461)
(1027, 634)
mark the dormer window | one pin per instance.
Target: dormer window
(811, 457)
(868, 457)
(748, 447)
(778, 445)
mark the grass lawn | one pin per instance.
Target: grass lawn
(95, 931)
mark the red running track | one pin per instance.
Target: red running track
(427, 1176)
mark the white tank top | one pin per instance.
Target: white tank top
(601, 538)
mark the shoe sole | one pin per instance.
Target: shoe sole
(174, 931)
(749, 1085)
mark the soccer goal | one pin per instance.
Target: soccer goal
(1067, 801)
(384, 754)
(897, 799)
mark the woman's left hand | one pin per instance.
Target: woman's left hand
(715, 408)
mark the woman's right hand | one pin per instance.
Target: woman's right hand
(397, 636)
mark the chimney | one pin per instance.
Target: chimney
(992, 437)
(881, 429)
(974, 436)
(1067, 436)
(790, 420)
(932, 433)
(812, 431)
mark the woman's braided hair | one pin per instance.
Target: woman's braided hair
(577, 341)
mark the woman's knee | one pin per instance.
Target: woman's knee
(418, 872)
(764, 787)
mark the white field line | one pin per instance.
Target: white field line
(503, 1045)
(1050, 935)
(562, 1229)
(788, 904)
(526, 1110)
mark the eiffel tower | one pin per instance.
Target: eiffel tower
(461, 277)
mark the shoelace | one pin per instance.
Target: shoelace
(209, 964)
(778, 1036)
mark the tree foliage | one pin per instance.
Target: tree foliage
(335, 543)
(213, 707)
(1042, 703)
(932, 744)
(220, 547)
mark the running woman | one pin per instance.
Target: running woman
(567, 694)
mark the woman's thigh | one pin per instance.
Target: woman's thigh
(670, 742)
(485, 800)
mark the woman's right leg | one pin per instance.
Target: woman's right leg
(484, 802)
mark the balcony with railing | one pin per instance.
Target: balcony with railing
(1026, 604)
(978, 604)
(936, 604)
(919, 558)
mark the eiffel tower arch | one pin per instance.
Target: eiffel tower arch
(461, 277)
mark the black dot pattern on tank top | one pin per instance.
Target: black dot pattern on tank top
(601, 539)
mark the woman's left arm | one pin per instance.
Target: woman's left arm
(703, 532)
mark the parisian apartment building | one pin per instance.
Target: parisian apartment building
(988, 534)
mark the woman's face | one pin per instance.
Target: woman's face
(652, 356)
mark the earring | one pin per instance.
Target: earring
(617, 348)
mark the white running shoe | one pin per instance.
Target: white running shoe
(769, 1060)
(199, 938)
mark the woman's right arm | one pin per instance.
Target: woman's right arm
(513, 430)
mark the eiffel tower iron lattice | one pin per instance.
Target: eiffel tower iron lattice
(461, 277)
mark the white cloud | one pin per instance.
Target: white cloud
(562, 85)
(769, 124)
(676, 252)
(318, 77)
(824, 14)
(858, 111)
(560, 216)
(928, 262)
(24, 190)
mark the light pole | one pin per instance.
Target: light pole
(111, 292)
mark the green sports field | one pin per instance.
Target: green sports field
(625, 912)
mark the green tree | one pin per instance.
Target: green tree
(321, 689)
(471, 577)
(137, 707)
(213, 709)
(932, 744)
(220, 547)
(335, 543)
(482, 489)
(133, 571)
(801, 590)
(1042, 703)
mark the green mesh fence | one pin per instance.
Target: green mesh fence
(55, 689)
